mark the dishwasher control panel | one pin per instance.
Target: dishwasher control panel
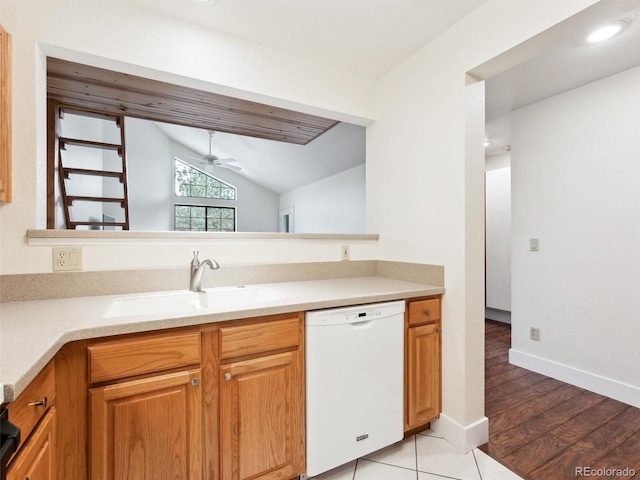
(357, 314)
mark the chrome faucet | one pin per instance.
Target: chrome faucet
(197, 269)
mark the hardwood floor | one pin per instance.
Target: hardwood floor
(544, 429)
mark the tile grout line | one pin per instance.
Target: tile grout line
(475, 459)
(415, 450)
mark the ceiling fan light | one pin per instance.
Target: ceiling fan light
(606, 32)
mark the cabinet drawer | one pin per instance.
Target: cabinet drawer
(236, 341)
(424, 311)
(37, 458)
(126, 358)
(30, 406)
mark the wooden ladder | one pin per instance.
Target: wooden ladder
(67, 173)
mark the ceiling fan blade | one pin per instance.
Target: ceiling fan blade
(226, 160)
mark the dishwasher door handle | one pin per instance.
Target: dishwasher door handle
(361, 324)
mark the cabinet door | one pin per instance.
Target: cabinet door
(36, 460)
(423, 374)
(262, 418)
(147, 429)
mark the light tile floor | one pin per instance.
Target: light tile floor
(422, 457)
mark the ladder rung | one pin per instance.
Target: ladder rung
(89, 143)
(71, 199)
(89, 113)
(99, 173)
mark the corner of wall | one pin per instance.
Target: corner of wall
(463, 437)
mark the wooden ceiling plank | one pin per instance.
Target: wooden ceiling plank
(91, 75)
(128, 103)
(198, 122)
(142, 98)
(129, 98)
(185, 121)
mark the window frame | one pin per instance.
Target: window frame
(203, 202)
(206, 217)
(177, 160)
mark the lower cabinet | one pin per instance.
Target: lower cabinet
(260, 418)
(422, 363)
(262, 433)
(37, 458)
(161, 400)
(149, 428)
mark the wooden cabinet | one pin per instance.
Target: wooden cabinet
(224, 401)
(5, 116)
(148, 426)
(422, 362)
(35, 414)
(262, 401)
(30, 407)
(37, 458)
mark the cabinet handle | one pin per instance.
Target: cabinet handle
(427, 312)
(42, 403)
(195, 381)
(227, 376)
(438, 330)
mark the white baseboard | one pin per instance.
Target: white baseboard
(497, 315)
(464, 438)
(580, 378)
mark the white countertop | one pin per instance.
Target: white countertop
(32, 332)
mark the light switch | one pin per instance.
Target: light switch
(534, 244)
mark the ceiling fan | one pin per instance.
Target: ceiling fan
(211, 160)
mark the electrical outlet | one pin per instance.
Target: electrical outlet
(534, 334)
(345, 252)
(67, 258)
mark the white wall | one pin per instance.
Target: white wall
(498, 232)
(334, 204)
(150, 176)
(427, 204)
(576, 177)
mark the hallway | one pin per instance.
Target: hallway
(544, 429)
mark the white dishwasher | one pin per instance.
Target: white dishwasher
(354, 382)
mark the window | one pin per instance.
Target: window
(205, 219)
(191, 182)
(202, 187)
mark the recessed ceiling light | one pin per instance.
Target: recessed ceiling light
(487, 143)
(606, 32)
